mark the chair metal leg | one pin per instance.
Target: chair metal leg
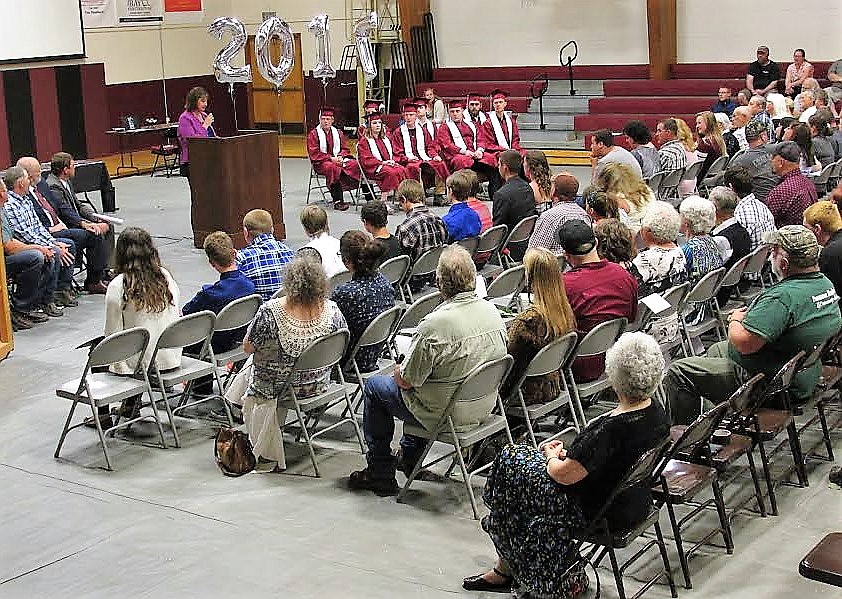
(755, 479)
(415, 470)
(302, 421)
(797, 454)
(618, 575)
(679, 546)
(66, 428)
(101, 437)
(825, 431)
(356, 424)
(154, 415)
(667, 570)
(724, 523)
(170, 416)
(465, 476)
(770, 485)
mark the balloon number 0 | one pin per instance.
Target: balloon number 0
(275, 27)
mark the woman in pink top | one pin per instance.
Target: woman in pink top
(193, 122)
(797, 72)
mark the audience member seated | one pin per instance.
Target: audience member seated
(460, 334)
(757, 161)
(314, 221)
(475, 203)
(548, 318)
(750, 212)
(731, 236)
(671, 155)
(415, 148)
(777, 106)
(822, 218)
(329, 155)
(834, 75)
(598, 290)
(377, 158)
(425, 118)
(367, 295)
(630, 191)
(280, 331)
(757, 109)
(421, 230)
(821, 136)
(564, 188)
(89, 237)
(537, 171)
(698, 217)
(514, 201)
(142, 294)
(724, 103)
(435, 107)
(796, 314)
(500, 128)
(461, 145)
(461, 221)
(732, 146)
(800, 134)
(831, 132)
(614, 242)
(604, 152)
(806, 102)
(644, 151)
(763, 73)
(688, 141)
(27, 228)
(31, 270)
(375, 216)
(599, 205)
(70, 210)
(789, 198)
(739, 120)
(264, 258)
(743, 96)
(711, 144)
(538, 497)
(796, 73)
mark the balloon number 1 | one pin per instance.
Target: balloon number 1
(362, 38)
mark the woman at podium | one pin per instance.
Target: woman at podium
(195, 121)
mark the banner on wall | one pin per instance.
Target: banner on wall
(183, 11)
(99, 13)
(140, 12)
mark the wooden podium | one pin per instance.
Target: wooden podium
(230, 176)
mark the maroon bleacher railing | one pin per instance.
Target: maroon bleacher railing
(569, 61)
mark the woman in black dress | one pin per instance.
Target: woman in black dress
(539, 498)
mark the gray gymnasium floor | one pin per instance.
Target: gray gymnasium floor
(166, 523)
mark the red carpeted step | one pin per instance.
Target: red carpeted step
(649, 105)
(621, 71)
(671, 87)
(716, 70)
(455, 89)
(616, 122)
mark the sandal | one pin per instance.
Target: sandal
(478, 583)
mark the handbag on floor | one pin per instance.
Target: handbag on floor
(233, 452)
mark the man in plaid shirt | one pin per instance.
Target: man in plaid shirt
(264, 258)
(422, 230)
(671, 152)
(789, 198)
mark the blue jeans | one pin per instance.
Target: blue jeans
(62, 275)
(382, 403)
(27, 269)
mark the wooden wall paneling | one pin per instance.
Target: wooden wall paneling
(663, 46)
(263, 100)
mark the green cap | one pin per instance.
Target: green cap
(798, 242)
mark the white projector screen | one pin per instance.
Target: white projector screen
(41, 30)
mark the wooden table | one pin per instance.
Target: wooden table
(824, 562)
(122, 133)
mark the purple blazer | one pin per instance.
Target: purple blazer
(189, 126)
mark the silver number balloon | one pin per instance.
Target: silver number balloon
(222, 68)
(365, 52)
(275, 74)
(320, 28)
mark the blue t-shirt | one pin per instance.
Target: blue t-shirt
(462, 222)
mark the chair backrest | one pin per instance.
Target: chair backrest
(706, 288)
(552, 357)
(340, 278)
(238, 313)
(717, 167)
(654, 182)
(119, 347)
(672, 179)
(187, 330)
(824, 175)
(492, 239)
(783, 378)
(600, 338)
(419, 309)
(379, 329)
(324, 352)
(395, 269)
(507, 282)
(427, 262)
(692, 171)
(735, 273)
(482, 380)
(743, 399)
(675, 296)
(644, 315)
(469, 243)
(757, 259)
(837, 170)
(522, 231)
(699, 432)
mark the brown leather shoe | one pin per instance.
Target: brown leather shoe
(20, 322)
(96, 288)
(341, 206)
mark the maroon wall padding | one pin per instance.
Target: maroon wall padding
(630, 71)
(715, 70)
(461, 88)
(42, 83)
(5, 147)
(652, 105)
(97, 113)
(616, 122)
(672, 87)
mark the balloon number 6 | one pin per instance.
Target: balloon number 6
(222, 68)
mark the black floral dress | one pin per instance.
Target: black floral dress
(533, 518)
(361, 300)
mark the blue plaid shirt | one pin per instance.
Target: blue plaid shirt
(263, 262)
(27, 226)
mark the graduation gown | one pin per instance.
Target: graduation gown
(388, 176)
(348, 174)
(472, 138)
(408, 153)
(506, 137)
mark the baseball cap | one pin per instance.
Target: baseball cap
(576, 237)
(755, 129)
(788, 150)
(798, 242)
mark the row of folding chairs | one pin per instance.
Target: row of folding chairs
(827, 178)
(665, 184)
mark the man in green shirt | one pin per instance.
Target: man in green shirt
(798, 313)
(460, 334)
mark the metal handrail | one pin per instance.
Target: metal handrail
(569, 61)
(539, 94)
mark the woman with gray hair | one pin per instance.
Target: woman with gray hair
(278, 334)
(538, 498)
(662, 264)
(698, 217)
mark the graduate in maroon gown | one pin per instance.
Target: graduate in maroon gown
(501, 132)
(475, 114)
(424, 120)
(377, 156)
(329, 155)
(369, 107)
(460, 144)
(416, 150)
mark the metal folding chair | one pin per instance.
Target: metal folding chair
(730, 281)
(714, 174)
(98, 389)
(702, 294)
(507, 286)
(395, 271)
(413, 315)
(469, 243)
(481, 381)
(654, 182)
(753, 272)
(668, 189)
(378, 333)
(320, 184)
(488, 249)
(520, 234)
(340, 278)
(236, 315)
(821, 180)
(424, 266)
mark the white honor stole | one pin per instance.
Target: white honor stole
(498, 130)
(375, 151)
(337, 146)
(457, 135)
(419, 140)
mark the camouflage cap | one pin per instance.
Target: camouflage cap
(754, 130)
(798, 242)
